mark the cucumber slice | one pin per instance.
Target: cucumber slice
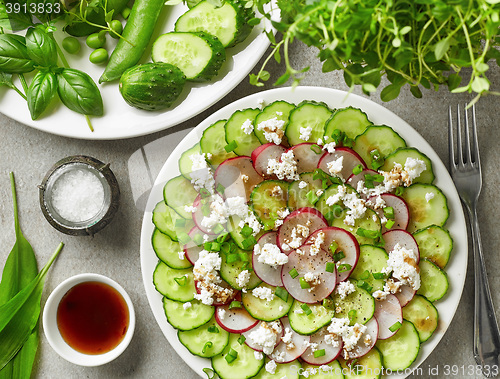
(370, 222)
(372, 259)
(400, 350)
(168, 250)
(297, 197)
(377, 138)
(308, 114)
(424, 213)
(423, 315)
(359, 305)
(246, 365)
(306, 324)
(168, 221)
(213, 141)
(289, 370)
(199, 55)
(246, 143)
(235, 232)
(368, 366)
(190, 318)
(434, 282)
(323, 207)
(230, 271)
(266, 310)
(332, 370)
(229, 23)
(164, 282)
(179, 192)
(197, 340)
(279, 110)
(185, 161)
(267, 199)
(352, 121)
(434, 244)
(400, 156)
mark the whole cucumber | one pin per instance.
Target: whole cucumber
(136, 36)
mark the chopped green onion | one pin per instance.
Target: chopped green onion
(208, 345)
(395, 326)
(368, 233)
(221, 238)
(181, 281)
(209, 372)
(183, 238)
(378, 275)
(198, 239)
(389, 212)
(377, 159)
(365, 275)
(204, 193)
(344, 267)
(374, 178)
(241, 340)
(319, 174)
(379, 242)
(352, 315)
(338, 256)
(225, 247)
(248, 242)
(220, 188)
(316, 149)
(306, 309)
(319, 353)
(293, 273)
(281, 293)
(246, 231)
(328, 303)
(231, 258)
(369, 184)
(399, 191)
(218, 229)
(333, 247)
(389, 224)
(231, 356)
(213, 329)
(330, 267)
(311, 197)
(207, 246)
(364, 285)
(235, 304)
(358, 169)
(230, 146)
(304, 284)
(215, 246)
(244, 257)
(180, 223)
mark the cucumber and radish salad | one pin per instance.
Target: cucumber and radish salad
(300, 240)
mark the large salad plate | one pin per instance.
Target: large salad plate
(122, 121)
(456, 268)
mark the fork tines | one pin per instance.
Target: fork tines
(467, 152)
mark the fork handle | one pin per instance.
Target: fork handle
(486, 333)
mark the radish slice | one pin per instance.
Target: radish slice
(191, 249)
(305, 263)
(307, 159)
(346, 243)
(331, 351)
(297, 226)
(262, 155)
(282, 354)
(236, 320)
(405, 294)
(350, 160)
(401, 212)
(387, 312)
(401, 237)
(267, 273)
(353, 181)
(366, 342)
(237, 176)
(261, 327)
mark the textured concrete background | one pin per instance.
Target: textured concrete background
(115, 251)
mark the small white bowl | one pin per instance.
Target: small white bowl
(54, 337)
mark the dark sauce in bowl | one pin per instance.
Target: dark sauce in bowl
(93, 317)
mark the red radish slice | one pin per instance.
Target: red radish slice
(346, 242)
(198, 215)
(298, 220)
(366, 342)
(237, 176)
(405, 294)
(236, 320)
(353, 181)
(305, 263)
(222, 284)
(268, 274)
(331, 351)
(387, 312)
(401, 212)
(191, 249)
(262, 155)
(306, 157)
(403, 238)
(282, 354)
(350, 160)
(264, 327)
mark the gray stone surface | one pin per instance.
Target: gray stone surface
(115, 251)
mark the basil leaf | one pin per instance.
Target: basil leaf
(41, 47)
(41, 91)
(79, 92)
(13, 20)
(14, 57)
(6, 80)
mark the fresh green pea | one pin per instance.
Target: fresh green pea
(71, 45)
(102, 34)
(126, 12)
(98, 56)
(95, 41)
(117, 27)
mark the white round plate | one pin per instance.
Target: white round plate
(456, 268)
(121, 120)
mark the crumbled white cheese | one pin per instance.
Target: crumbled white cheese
(284, 169)
(287, 336)
(414, 167)
(299, 233)
(330, 339)
(380, 295)
(277, 191)
(205, 272)
(199, 161)
(319, 239)
(265, 336)
(186, 305)
(243, 278)
(335, 167)
(302, 184)
(312, 278)
(344, 289)
(402, 263)
(270, 254)
(339, 327)
(429, 196)
(273, 129)
(258, 355)
(271, 367)
(319, 142)
(298, 311)
(218, 213)
(221, 313)
(263, 293)
(305, 133)
(260, 103)
(189, 209)
(244, 178)
(282, 213)
(330, 147)
(392, 287)
(247, 126)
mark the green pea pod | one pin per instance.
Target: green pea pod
(136, 36)
(14, 58)
(41, 47)
(79, 93)
(41, 91)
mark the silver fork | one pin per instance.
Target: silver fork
(465, 168)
